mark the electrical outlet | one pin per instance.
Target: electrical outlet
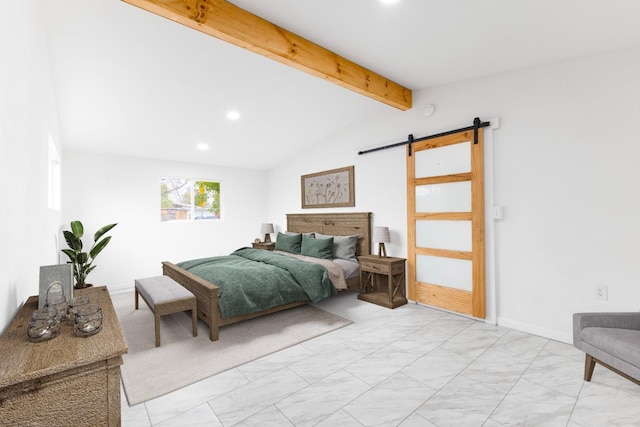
(601, 292)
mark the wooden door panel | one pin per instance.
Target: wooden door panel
(442, 190)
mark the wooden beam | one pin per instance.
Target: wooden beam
(228, 22)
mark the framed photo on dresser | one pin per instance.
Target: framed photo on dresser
(55, 278)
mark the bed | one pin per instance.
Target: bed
(330, 224)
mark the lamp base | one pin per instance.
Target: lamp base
(382, 251)
(267, 238)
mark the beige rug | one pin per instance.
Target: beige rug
(149, 371)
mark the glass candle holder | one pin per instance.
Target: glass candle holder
(61, 309)
(88, 320)
(74, 304)
(44, 325)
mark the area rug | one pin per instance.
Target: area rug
(149, 371)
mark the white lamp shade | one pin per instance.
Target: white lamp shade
(266, 229)
(381, 234)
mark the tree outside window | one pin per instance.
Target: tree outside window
(183, 199)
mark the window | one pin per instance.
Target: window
(183, 199)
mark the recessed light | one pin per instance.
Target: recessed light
(202, 146)
(233, 115)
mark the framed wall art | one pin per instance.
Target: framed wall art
(328, 189)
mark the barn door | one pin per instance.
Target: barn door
(446, 223)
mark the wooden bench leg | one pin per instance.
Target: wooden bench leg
(157, 318)
(167, 306)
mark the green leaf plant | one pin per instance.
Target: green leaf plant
(83, 261)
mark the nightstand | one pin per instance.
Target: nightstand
(382, 280)
(267, 246)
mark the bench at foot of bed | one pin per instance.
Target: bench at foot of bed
(163, 295)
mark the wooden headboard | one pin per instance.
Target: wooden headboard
(335, 224)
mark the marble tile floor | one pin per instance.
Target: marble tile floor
(412, 366)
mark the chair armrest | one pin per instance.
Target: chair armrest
(604, 320)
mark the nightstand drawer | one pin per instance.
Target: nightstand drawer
(267, 246)
(375, 267)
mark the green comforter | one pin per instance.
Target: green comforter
(252, 280)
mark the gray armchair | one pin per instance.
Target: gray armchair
(611, 340)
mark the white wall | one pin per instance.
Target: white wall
(27, 117)
(565, 169)
(101, 189)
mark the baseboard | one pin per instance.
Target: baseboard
(536, 330)
(121, 288)
(513, 324)
(488, 321)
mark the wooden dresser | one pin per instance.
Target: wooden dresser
(66, 380)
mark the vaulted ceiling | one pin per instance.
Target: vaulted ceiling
(129, 82)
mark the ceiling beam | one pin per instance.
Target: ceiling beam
(228, 22)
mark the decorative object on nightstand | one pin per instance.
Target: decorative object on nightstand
(267, 229)
(381, 235)
(382, 280)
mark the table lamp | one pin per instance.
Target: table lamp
(267, 229)
(381, 235)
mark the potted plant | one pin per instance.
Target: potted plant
(83, 261)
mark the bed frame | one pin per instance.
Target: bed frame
(336, 224)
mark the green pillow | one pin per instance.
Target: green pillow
(288, 242)
(317, 248)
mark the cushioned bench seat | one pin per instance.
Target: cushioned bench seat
(164, 295)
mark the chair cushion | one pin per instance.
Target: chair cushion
(621, 343)
(161, 289)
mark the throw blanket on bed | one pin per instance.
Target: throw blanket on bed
(252, 280)
(336, 273)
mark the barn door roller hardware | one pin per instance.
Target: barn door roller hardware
(477, 124)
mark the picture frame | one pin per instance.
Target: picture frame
(328, 189)
(49, 274)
